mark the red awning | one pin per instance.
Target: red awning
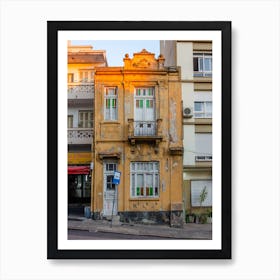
(78, 170)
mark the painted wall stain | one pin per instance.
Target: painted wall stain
(173, 130)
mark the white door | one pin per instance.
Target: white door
(110, 198)
(144, 113)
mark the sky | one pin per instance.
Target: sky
(116, 50)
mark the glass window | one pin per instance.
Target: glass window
(202, 64)
(144, 179)
(110, 104)
(70, 77)
(203, 109)
(70, 121)
(86, 119)
(203, 146)
(198, 188)
(110, 186)
(85, 76)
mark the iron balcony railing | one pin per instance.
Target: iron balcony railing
(85, 91)
(80, 135)
(144, 128)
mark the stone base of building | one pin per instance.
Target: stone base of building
(174, 219)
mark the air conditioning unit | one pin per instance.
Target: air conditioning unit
(188, 112)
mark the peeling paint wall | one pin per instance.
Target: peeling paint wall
(173, 125)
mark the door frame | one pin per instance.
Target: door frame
(115, 195)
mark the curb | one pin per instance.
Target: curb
(139, 233)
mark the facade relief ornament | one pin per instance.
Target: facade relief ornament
(144, 60)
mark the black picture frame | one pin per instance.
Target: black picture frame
(53, 27)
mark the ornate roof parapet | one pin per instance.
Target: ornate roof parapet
(144, 60)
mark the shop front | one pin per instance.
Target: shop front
(79, 188)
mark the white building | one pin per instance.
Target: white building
(82, 61)
(195, 60)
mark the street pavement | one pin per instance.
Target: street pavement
(189, 230)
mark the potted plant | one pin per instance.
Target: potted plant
(189, 217)
(209, 218)
(203, 218)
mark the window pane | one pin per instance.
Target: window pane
(200, 62)
(156, 184)
(114, 103)
(156, 165)
(197, 188)
(203, 144)
(133, 185)
(140, 180)
(195, 64)
(149, 104)
(70, 121)
(107, 114)
(208, 64)
(113, 114)
(208, 106)
(198, 106)
(107, 103)
(149, 180)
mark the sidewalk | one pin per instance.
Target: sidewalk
(189, 231)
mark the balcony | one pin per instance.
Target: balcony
(80, 91)
(80, 135)
(145, 131)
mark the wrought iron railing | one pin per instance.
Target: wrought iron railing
(81, 91)
(144, 128)
(80, 135)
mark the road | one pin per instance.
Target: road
(86, 235)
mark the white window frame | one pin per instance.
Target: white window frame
(195, 194)
(86, 76)
(85, 122)
(201, 72)
(112, 113)
(142, 168)
(144, 124)
(203, 114)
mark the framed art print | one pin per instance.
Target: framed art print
(139, 140)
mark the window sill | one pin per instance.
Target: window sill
(144, 199)
(110, 122)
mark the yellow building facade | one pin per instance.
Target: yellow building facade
(138, 132)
